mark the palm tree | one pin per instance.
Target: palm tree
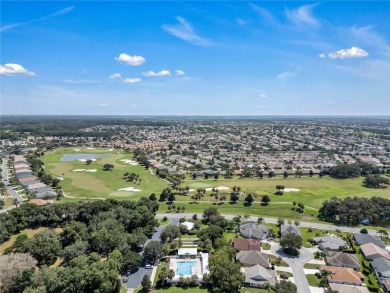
(383, 233)
(260, 220)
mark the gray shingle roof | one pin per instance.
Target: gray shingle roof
(367, 238)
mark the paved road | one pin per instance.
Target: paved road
(274, 221)
(136, 278)
(6, 182)
(296, 264)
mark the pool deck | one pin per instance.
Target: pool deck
(196, 270)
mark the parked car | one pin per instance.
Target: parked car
(284, 276)
(148, 266)
(125, 278)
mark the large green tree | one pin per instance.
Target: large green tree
(226, 276)
(291, 243)
(44, 247)
(153, 251)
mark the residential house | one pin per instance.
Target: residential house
(251, 258)
(371, 251)
(254, 230)
(343, 275)
(342, 288)
(257, 276)
(385, 284)
(361, 239)
(246, 244)
(330, 243)
(381, 266)
(342, 259)
(285, 229)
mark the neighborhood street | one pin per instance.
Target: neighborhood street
(296, 264)
(136, 278)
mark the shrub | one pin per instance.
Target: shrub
(165, 219)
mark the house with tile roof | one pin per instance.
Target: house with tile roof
(254, 230)
(246, 244)
(342, 288)
(330, 243)
(371, 251)
(259, 277)
(361, 239)
(381, 267)
(251, 258)
(343, 275)
(342, 259)
(285, 229)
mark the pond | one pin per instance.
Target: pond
(74, 157)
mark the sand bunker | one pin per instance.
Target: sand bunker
(290, 190)
(130, 189)
(130, 162)
(90, 148)
(60, 178)
(84, 160)
(77, 150)
(86, 170)
(191, 190)
(219, 188)
(110, 150)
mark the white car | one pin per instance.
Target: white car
(148, 266)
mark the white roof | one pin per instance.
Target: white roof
(205, 263)
(190, 251)
(189, 225)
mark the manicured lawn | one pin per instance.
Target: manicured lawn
(313, 280)
(164, 223)
(8, 202)
(274, 259)
(311, 266)
(100, 184)
(285, 273)
(312, 190)
(29, 232)
(174, 289)
(274, 210)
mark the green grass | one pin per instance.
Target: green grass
(285, 273)
(174, 289)
(100, 184)
(8, 202)
(313, 280)
(273, 259)
(29, 232)
(164, 223)
(313, 190)
(229, 236)
(311, 266)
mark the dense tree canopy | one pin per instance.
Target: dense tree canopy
(352, 211)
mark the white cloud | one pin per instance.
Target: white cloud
(14, 69)
(303, 15)
(286, 75)
(185, 31)
(130, 60)
(262, 95)
(179, 72)
(132, 80)
(159, 73)
(103, 105)
(370, 37)
(115, 76)
(354, 52)
(57, 13)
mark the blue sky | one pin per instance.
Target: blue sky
(195, 58)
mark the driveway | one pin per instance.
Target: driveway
(296, 263)
(135, 279)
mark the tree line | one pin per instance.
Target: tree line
(98, 241)
(352, 211)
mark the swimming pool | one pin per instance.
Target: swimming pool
(184, 268)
